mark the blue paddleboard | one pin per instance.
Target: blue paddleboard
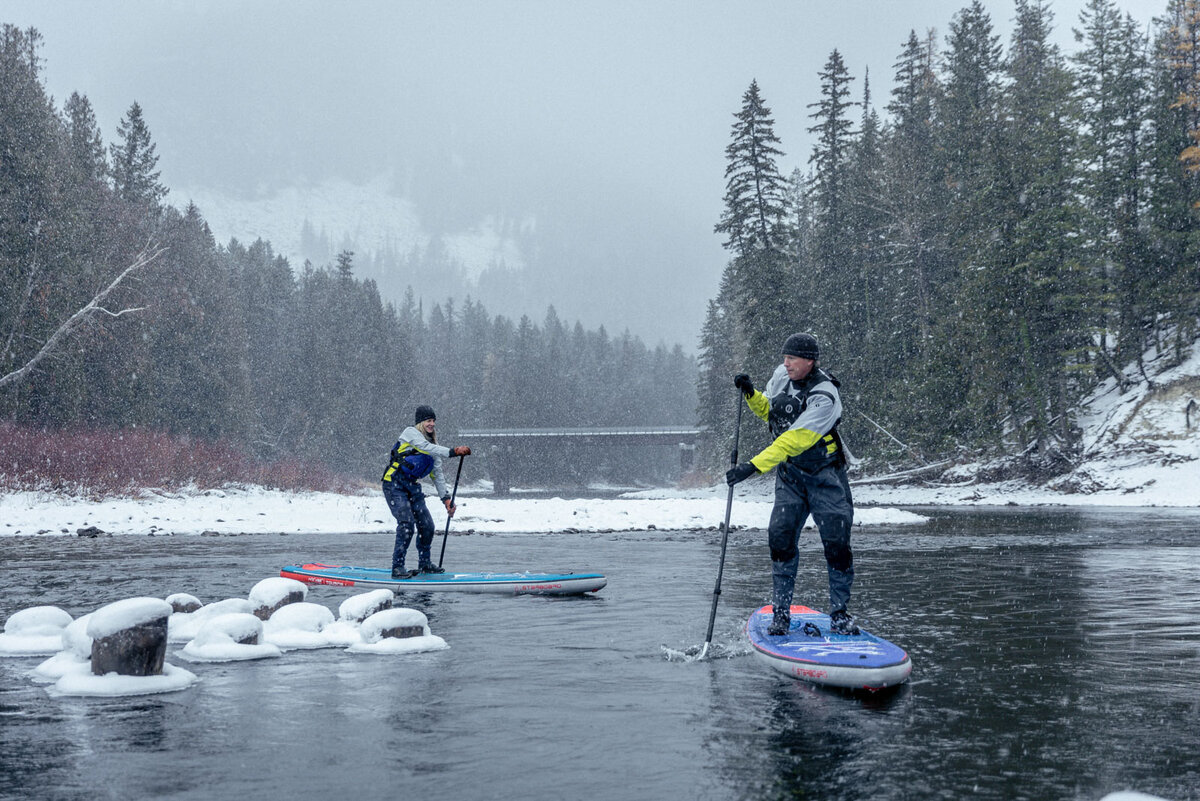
(811, 652)
(505, 583)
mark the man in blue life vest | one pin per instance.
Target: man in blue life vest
(802, 407)
(416, 455)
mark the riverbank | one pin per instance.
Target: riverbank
(1140, 446)
(254, 510)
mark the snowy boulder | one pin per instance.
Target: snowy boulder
(271, 594)
(36, 631)
(395, 623)
(298, 625)
(358, 608)
(397, 631)
(129, 637)
(182, 602)
(229, 638)
(75, 656)
(183, 626)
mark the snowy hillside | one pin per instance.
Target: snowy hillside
(1141, 447)
(1145, 436)
(366, 218)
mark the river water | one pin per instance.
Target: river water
(1056, 655)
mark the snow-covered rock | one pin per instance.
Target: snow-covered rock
(270, 594)
(126, 614)
(299, 625)
(229, 638)
(35, 631)
(377, 628)
(358, 608)
(129, 637)
(182, 602)
(183, 626)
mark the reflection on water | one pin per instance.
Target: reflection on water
(1056, 655)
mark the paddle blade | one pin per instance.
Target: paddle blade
(696, 653)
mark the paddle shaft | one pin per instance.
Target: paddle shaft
(733, 460)
(446, 534)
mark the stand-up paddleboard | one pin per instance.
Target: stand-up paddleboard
(506, 583)
(812, 653)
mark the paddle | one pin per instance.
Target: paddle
(733, 460)
(446, 534)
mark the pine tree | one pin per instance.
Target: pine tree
(40, 283)
(268, 293)
(1031, 293)
(754, 208)
(968, 129)
(836, 280)
(1112, 79)
(865, 361)
(1172, 286)
(914, 196)
(755, 307)
(135, 178)
(718, 362)
(86, 145)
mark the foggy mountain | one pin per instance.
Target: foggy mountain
(516, 261)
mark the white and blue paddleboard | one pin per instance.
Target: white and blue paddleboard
(811, 652)
(505, 583)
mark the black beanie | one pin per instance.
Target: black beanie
(802, 345)
(424, 413)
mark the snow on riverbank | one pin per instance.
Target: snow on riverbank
(253, 510)
(1141, 447)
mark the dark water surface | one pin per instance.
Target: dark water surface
(1056, 656)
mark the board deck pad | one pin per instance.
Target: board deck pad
(503, 583)
(811, 652)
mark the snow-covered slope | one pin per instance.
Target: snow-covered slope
(1145, 438)
(367, 218)
(1141, 447)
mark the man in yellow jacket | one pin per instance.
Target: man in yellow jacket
(802, 407)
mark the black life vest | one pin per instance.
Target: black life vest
(786, 408)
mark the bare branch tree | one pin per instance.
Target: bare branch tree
(94, 308)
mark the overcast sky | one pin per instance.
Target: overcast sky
(612, 114)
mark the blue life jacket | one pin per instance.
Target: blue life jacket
(410, 463)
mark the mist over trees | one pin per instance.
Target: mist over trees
(230, 343)
(1020, 225)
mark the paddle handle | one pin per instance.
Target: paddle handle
(453, 495)
(733, 460)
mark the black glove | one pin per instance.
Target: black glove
(740, 473)
(743, 382)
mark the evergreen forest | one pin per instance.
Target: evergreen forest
(120, 313)
(977, 245)
(975, 250)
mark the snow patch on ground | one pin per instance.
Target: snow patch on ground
(250, 510)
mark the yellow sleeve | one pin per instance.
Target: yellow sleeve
(759, 404)
(792, 442)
